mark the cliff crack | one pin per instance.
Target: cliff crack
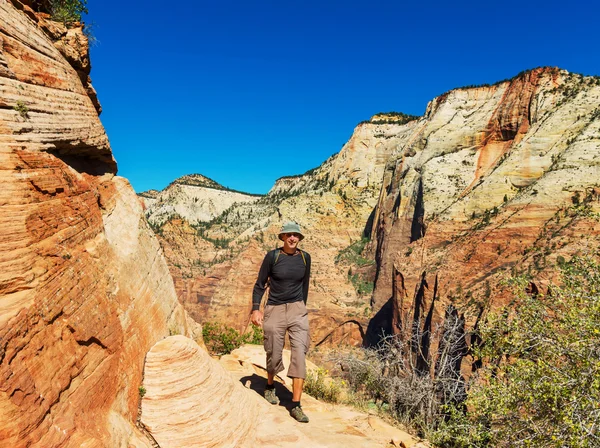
(54, 318)
(41, 190)
(417, 228)
(90, 341)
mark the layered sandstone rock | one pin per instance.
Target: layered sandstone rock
(84, 289)
(214, 409)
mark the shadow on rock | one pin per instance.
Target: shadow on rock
(257, 383)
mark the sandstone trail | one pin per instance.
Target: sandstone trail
(220, 404)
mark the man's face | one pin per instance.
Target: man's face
(290, 241)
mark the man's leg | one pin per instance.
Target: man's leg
(297, 385)
(297, 318)
(274, 336)
(299, 342)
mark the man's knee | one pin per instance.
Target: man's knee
(297, 367)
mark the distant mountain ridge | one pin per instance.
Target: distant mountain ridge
(199, 180)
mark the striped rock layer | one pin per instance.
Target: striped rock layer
(84, 290)
(193, 401)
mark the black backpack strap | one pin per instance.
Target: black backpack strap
(274, 257)
(303, 257)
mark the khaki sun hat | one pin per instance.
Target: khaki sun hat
(290, 227)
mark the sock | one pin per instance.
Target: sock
(270, 386)
(295, 403)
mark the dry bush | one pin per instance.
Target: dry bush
(391, 377)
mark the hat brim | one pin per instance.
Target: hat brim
(283, 233)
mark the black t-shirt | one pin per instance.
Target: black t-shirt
(288, 278)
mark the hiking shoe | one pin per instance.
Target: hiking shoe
(299, 414)
(271, 396)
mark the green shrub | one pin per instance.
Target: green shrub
(353, 254)
(142, 391)
(254, 336)
(363, 287)
(68, 11)
(319, 386)
(221, 339)
(22, 109)
(540, 386)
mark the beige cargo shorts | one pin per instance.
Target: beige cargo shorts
(293, 319)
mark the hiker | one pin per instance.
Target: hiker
(286, 270)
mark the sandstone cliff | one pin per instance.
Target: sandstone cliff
(84, 289)
(493, 181)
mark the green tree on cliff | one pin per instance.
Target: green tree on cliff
(68, 11)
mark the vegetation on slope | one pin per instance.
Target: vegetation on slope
(221, 339)
(536, 362)
(554, 70)
(540, 385)
(358, 272)
(398, 118)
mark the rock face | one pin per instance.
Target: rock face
(492, 181)
(215, 269)
(84, 289)
(181, 376)
(194, 198)
(214, 409)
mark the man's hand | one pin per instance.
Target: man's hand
(257, 318)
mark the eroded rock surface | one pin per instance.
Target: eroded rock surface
(215, 409)
(84, 288)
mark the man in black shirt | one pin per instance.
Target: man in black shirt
(286, 271)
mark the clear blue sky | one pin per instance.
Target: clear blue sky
(246, 92)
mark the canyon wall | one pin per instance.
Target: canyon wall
(84, 289)
(494, 181)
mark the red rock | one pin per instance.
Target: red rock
(84, 290)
